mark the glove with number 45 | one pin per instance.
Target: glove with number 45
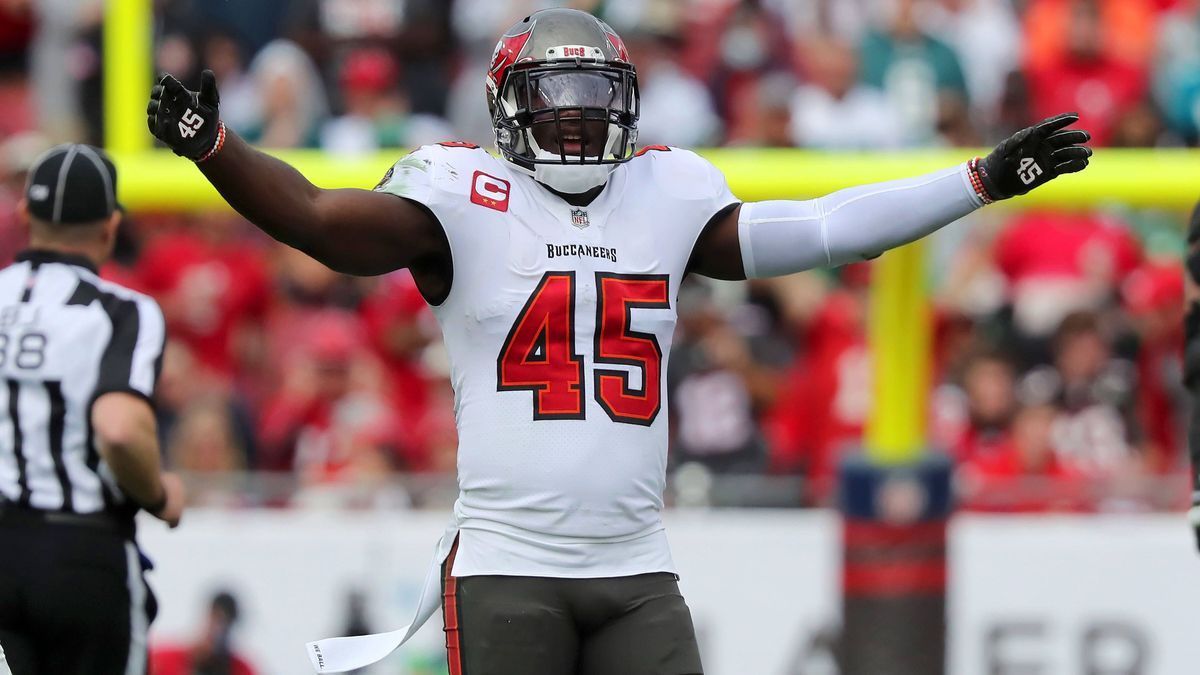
(1032, 157)
(185, 120)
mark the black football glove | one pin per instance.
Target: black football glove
(187, 121)
(1035, 156)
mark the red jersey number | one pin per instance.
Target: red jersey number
(538, 354)
(617, 343)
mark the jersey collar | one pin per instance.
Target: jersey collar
(600, 207)
(39, 256)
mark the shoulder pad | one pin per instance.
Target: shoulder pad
(434, 169)
(682, 173)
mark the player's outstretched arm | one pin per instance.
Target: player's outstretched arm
(350, 230)
(859, 223)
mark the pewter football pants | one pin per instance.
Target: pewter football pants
(500, 625)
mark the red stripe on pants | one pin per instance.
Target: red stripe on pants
(450, 614)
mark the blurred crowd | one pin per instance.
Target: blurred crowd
(1057, 335)
(356, 75)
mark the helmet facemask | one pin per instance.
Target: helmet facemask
(568, 123)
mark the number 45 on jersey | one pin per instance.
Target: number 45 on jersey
(539, 353)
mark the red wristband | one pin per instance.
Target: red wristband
(220, 143)
(977, 181)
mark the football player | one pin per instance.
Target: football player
(553, 270)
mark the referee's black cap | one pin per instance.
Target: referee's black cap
(72, 183)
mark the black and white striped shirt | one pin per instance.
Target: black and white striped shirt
(67, 337)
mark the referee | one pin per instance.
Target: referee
(79, 456)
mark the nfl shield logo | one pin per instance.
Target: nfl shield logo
(579, 218)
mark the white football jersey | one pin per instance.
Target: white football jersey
(558, 326)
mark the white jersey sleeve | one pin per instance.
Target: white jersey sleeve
(431, 176)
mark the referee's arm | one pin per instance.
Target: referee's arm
(122, 415)
(127, 438)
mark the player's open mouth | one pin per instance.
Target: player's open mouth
(572, 145)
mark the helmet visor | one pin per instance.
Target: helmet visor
(576, 89)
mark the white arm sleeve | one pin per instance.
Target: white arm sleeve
(858, 223)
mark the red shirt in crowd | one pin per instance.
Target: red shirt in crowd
(1099, 90)
(207, 291)
(332, 417)
(1000, 481)
(181, 661)
(1061, 244)
(976, 443)
(16, 34)
(399, 326)
(1153, 296)
(16, 28)
(824, 403)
